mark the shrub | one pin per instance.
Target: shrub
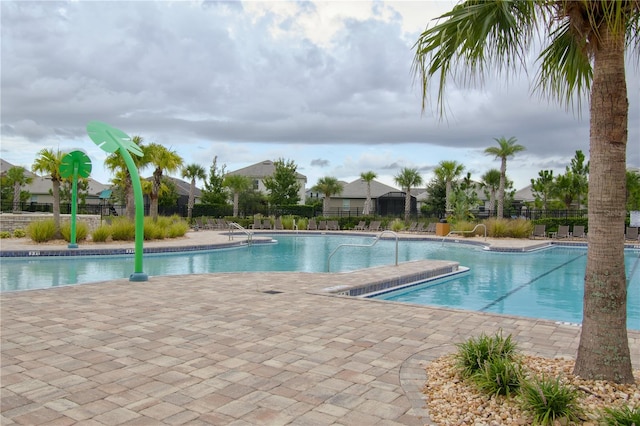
(82, 230)
(520, 228)
(287, 222)
(623, 416)
(302, 223)
(155, 230)
(397, 225)
(177, 229)
(42, 230)
(549, 400)
(473, 353)
(5, 234)
(19, 233)
(122, 229)
(498, 376)
(101, 234)
(463, 225)
(497, 228)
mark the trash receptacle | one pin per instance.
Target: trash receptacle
(442, 229)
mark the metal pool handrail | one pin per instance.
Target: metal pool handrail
(468, 232)
(248, 233)
(363, 245)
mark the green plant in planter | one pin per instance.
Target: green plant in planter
(101, 234)
(42, 231)
(5, 234)
(19, 233)
(622, 416)
(498, 376)
(550, 400)
(473, 353)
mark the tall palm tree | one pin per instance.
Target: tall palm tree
(48, 162)
(448, 172)
(192, 171)
(407, 178)
(17, 177)
(328, 186)
(583, 55)
(506, 148)
(116, 164)
(237, 184)
(368, 177)
(162, 159)
(491, 181)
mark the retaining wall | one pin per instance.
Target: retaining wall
(10, 222)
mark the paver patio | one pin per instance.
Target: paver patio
(234, 349)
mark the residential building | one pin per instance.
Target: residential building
(259, 171)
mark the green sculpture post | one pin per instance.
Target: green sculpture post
(74, 164)
(110, 140)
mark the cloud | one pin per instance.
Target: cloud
(320, 162)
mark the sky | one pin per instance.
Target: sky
(327, 84)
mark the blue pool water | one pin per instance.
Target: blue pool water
(543, 284)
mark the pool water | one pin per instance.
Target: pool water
(543, 284)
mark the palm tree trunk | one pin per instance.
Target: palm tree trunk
(367, 203)
(603, 352)
(192, 197)
(503, 178)
(155, 191)
(492, 201)
(236, 203)
(407, 205)
(447, 195)
(16, 197)
(325, 205)
(55, 190)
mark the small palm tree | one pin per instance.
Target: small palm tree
(116, 164)
(162, 159)
(48, 162)
(407, 179)
(491, 181)
(237, 184)
(368, 177)
(328, 186)
(193, 172)
(506, 148)
(448, 172)
(17, 177)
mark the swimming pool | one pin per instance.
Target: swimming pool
(507, 283)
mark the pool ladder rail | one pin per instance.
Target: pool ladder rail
(453, 231)
(363, 245)
(234, 225)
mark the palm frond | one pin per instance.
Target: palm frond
(477, 34)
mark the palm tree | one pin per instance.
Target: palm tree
(162, 159)
(368, 177)
(584, 56)
(16, 176)
(491, 181)
(506, 148)
(48, 162)
(448, 172)
(328, 186)
(407, 179)
(237, 184)
(193, 172)
(115, 163)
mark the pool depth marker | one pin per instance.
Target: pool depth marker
(110, 140)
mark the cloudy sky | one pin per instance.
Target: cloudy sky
(327, 84)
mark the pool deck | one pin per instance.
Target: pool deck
(236, 348)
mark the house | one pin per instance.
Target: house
(259, 171)
(385, 199)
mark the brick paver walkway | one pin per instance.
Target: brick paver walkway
(233, 349)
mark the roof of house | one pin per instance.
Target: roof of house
(183, 187)
(358, 189)
(261, 170)
(5, 165)
(524, 194)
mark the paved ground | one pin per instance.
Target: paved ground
(235, 349)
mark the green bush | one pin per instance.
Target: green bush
(397, 225)
(287, 222)
(82, 230)
(177, 229)
(42, 231)
(5, 234)
(19, 233)
(101, 234)
(520, 228)
(473, 353)
(122, 229)
(623, 416)
(549, 400)
(497, 228)
(302, 223)
(155, 230)
(466, 226)
(498, 376)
